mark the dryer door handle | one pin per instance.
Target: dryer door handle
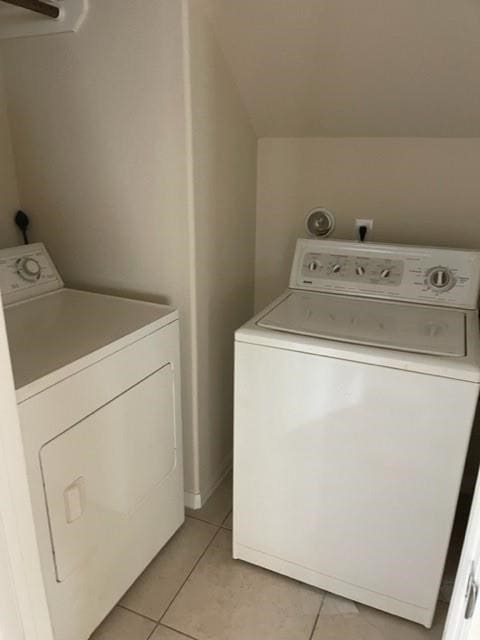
(74, 498)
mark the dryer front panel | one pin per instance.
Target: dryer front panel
(98, 473)
(103, 449)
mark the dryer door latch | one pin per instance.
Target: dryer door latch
(74, 498)
(471, 594)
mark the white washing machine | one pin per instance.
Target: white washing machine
(355, 393)
(98, 392)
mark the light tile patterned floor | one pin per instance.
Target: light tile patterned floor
(159, 583)
(193, 590)
(218, 506)
(341, 619)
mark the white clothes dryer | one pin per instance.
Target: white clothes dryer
(98, 391)
(355, 393)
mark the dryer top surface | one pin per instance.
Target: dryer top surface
(52, 331)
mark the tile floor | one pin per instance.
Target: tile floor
(194, 590)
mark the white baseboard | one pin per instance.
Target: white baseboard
(197, 500)
(192, 500)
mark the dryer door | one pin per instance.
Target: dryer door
(98, 473)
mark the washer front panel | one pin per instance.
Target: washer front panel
(428, 275)
(368, 460)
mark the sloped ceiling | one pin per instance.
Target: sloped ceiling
(354, 67)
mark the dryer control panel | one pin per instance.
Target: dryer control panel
(26, 272)
(429, 275)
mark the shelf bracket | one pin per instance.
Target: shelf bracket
(44, 17)
(38, 6)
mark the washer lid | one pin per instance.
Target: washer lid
(392, 325)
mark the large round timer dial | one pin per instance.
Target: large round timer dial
(29, 269)
(440, 279)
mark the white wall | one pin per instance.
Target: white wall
(137, 163)
(417, 190)
(9, 199)
(344, 68)
(98, 127)
(224, 186)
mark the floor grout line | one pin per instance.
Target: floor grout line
(215, 524)
(137, 613)
(322, 603)
(227, 516)
(314, 627)
(317, 617)
(167, 626)
(158, 623)
(185, 581)
(152, 632)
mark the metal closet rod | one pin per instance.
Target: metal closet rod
(38, 6)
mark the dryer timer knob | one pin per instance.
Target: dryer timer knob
(29, 269)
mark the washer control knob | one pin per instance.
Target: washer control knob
(440, 278)
(29, 269)
(336, 268)
(313, 265)
(385, 273)
(360, 271)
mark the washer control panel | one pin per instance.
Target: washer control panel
(26, 272)
(445, 277)
(344, 268)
